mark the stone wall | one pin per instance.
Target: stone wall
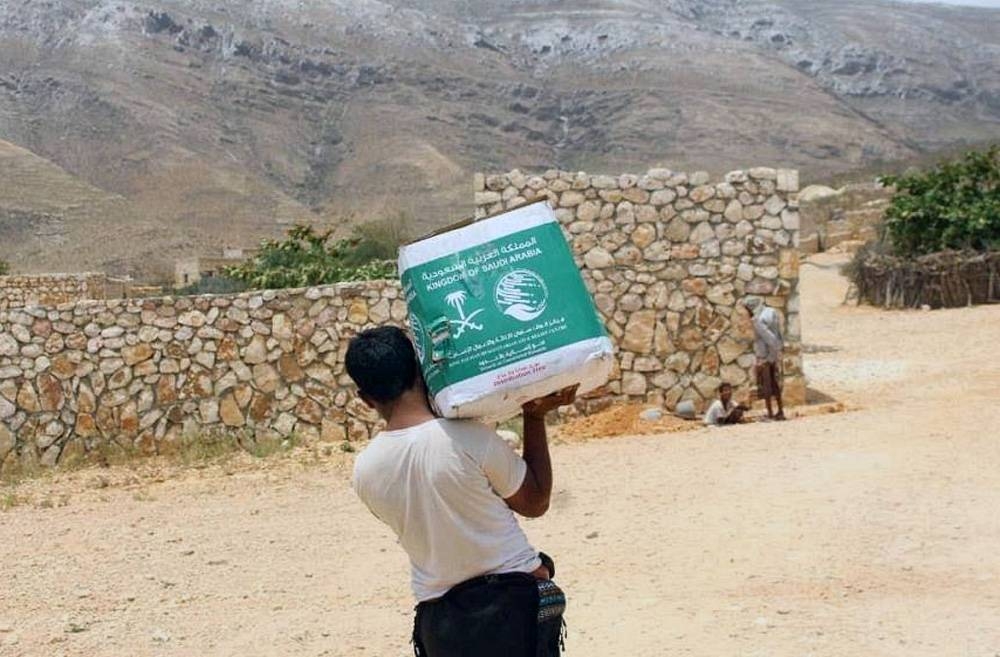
(50, 289)
(851, 214)
(667, 256)
(145, 373)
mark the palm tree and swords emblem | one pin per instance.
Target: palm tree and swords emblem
(457, 301)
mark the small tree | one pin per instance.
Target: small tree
(310, 257)
(4, 267)
(955, 205)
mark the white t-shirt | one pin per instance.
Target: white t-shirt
(440, 487)
(715, 413)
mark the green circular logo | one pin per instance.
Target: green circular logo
(522, 295)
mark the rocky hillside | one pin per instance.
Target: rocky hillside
(218, 122)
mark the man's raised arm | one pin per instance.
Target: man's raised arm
(532, 498)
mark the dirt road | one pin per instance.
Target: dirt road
(872, 532)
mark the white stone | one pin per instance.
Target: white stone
(699, 178)
(733, 248)
(32, 350)
(633, 383)
(657, 252)
(110, 365)
(646, 214)
(571, 198)
(8, 345)
(743, 229)
(763, 173)
(20, 333)
(651, 414)
(771, 222)
(565, 215)
(733, 374)
(644, 235)
(650, 183)
(598, 258)
(7, 409)
(790, 220)
(588, 211)
(486, 198)
(663, 197)
(695, 216)
(725, 190)
(710, 249)
(380, 312)
(192, 318)
(256, 351)
(788, 180)
(627, 181)
(604, 182)
(281, 327)
(702, 233)
(701, 193)
(209, 411)
(774, 205)
(285, 423)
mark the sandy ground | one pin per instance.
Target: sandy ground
(870, 532)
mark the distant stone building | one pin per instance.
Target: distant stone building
(850, 214)
(189, 271)
(20, 290)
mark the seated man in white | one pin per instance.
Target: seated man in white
(723, 411)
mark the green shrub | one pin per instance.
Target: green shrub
(379, 240)
(4, 267)
(955, 205)
(309, 257)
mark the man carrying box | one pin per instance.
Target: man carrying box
(449, 490)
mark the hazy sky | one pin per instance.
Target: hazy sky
(969, 3)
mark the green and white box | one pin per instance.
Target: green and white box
(500, 314)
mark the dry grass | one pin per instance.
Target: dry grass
(228, 451)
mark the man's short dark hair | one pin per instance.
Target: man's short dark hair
(382, 363)
(723, 386)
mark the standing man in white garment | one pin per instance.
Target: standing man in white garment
(449, 490)
(768, 345)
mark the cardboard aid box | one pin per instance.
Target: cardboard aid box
(500, 314)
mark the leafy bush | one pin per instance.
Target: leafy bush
(955, 205)
(380, 239)
(4, 267)
(310, 257)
